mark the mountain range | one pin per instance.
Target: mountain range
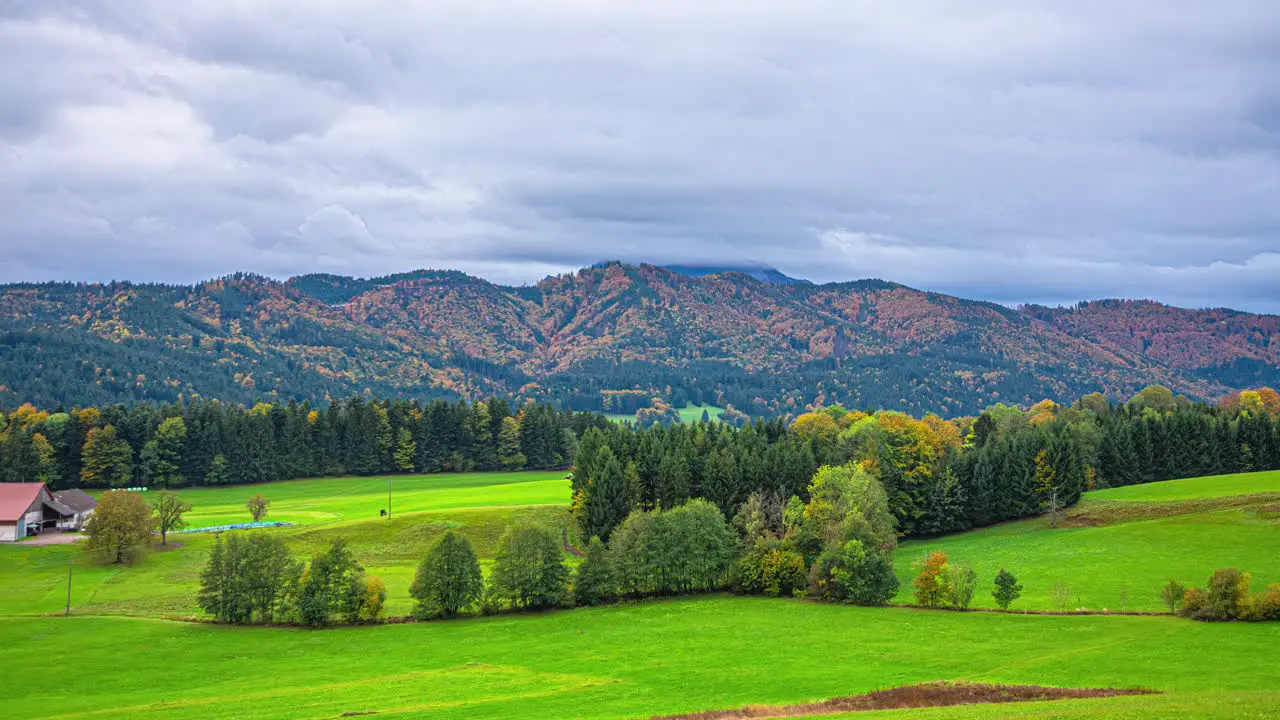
(609, 337)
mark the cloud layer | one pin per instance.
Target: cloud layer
(1014, 151)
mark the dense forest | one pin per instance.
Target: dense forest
(579, 340)
(215, 443)
(940, 475)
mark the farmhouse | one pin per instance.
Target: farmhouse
(81, 503)
(28, 508)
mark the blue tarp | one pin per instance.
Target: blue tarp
(237, 526)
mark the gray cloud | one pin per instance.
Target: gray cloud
(1029, 151)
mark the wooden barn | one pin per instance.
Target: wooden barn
(28, 508)
(81, 503)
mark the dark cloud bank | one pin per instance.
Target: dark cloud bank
(1015, 151)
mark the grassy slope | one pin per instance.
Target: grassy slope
(1128, 553)
(1193, 488)
(636, 660)
(478, 505)
(694, 654)
(354, 498)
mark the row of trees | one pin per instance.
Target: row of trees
(214, 444)
(683, 550)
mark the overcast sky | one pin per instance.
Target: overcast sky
(1026, 150)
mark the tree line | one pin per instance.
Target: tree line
(212, 443)
(939, 475)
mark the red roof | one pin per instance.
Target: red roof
(15, 498)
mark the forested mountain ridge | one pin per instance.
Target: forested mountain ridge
(729, 339)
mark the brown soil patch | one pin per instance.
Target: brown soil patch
(939, 694)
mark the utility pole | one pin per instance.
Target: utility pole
(388, 497)
(70, 556)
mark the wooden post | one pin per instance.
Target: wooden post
(70, 556)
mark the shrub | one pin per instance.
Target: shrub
(1266, 605)
(963, 581)
(594, 582)
(448, 579)
(1061, 595)
(1227, 595)
(372, 604)
(1173, 594)
(850, 574)
(1007, 589)
(933, 587)
(770, 568)
(1193, 602)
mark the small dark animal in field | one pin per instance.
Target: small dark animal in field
(384, 512)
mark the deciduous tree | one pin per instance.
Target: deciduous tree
(529, 570)
(448, 579)
(1007, 589)
(258, 506)
(119, 525)
(167, 510)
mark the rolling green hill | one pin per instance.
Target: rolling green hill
(635, 660)
(1128, 541)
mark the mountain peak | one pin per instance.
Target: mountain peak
(763, 273)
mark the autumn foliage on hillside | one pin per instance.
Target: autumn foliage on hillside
(728, 339)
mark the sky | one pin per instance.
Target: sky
(1018, 151)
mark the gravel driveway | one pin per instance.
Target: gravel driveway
(51, 537)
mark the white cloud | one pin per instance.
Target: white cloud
(1014, 151)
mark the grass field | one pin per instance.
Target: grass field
(1127, 540)
(362, 498)
(478, 505)
(627, 661)
(641, 659)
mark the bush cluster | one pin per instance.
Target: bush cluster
(1227, 597)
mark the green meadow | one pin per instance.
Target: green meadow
(118, 657)
(627, 661)
(478, 505)
(363, 498)
(1118, 547)
(690, 414)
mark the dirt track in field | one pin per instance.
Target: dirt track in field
(940, 694)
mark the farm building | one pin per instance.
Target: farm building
(28, 508)
(81, 503)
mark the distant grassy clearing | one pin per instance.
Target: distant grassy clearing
(360, 498)
(690, 414)
(1133, 556)
(633, 661)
